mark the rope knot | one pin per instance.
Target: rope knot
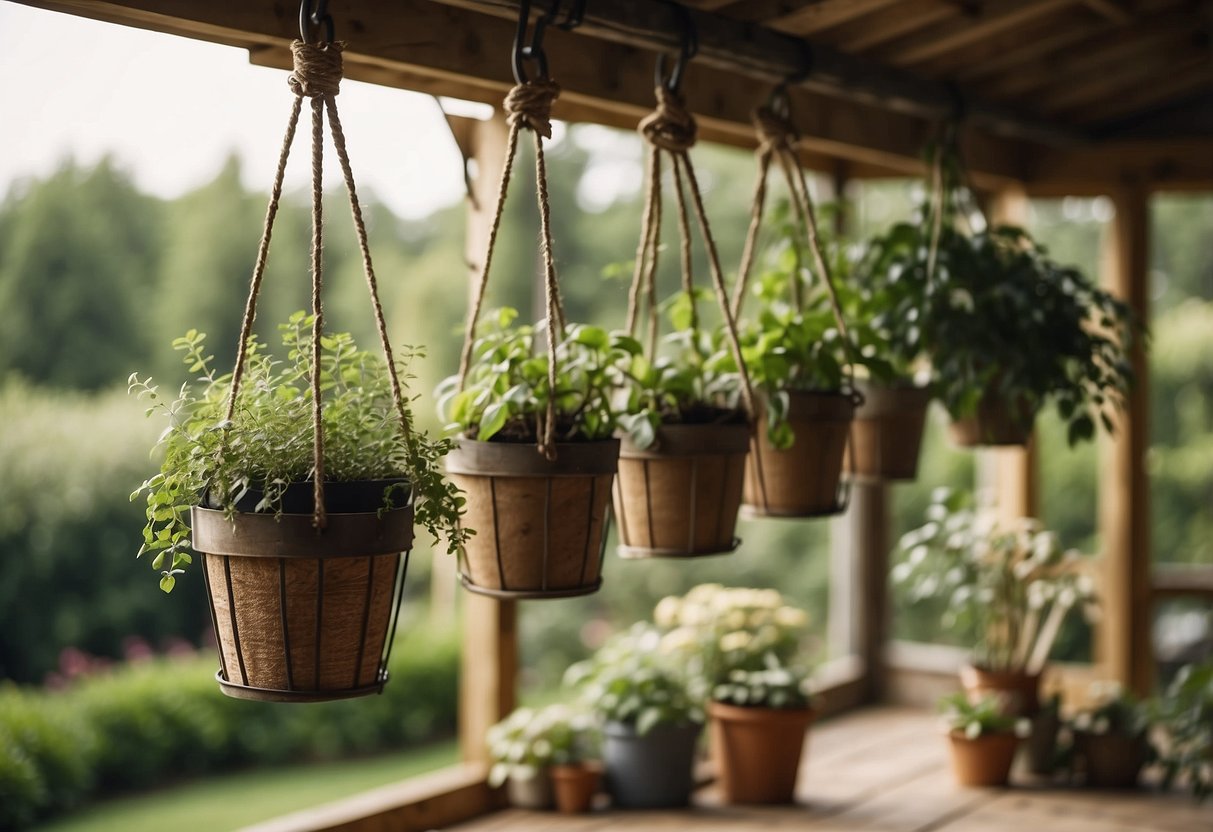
(317, 69)
(530, 105)
(774, 130)
(671, 126)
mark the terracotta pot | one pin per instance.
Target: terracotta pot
(680, 497)
(996, 422)
(1110, 761)
(886, 436)
(1020, 691)
(302, 615)
(803, 480)
(533, 792)
(540, 524)
(575, 786)
(757, 751)
(985, 761)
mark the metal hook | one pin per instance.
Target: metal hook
(313, 18)
(779, 101)
(690, 48)
(533, 51)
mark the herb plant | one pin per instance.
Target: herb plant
(268, 444)
(530, 740)
(976, 719)
(506, 394)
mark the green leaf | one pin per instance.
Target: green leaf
(592, 336)
(495, 417)
(167, 582)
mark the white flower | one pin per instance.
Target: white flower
(973, 730)
(737, 640)
(675, 641)
(791, 618)
(961, 299)
(666, 613)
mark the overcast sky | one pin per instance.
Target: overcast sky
(170, 109)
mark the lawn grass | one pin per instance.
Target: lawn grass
(236, 800)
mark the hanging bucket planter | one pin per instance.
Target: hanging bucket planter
(540, 524)
(680, 497)
(804, 480)
(301, 616)
(996, 422)
(886, 437)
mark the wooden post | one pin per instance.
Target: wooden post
(487, 689)
(1124, 493)
(1012, 472)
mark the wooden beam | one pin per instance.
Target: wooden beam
(1124, 492)
(1153, 164)
(1183, 581)
(1028, 51)
(1117, 11)
(1148, 75)
(881, 28)
(1189, 80)
(996, 17)
(824, 14)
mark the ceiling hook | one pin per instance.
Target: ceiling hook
(689, 49)
(313, 14)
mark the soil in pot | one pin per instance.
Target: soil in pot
(803, 480)
(534, 792)
(757, 751)
(985, 761)
(650, 771)
(1019, 691)
(680, 497)
(996, 422)
(540, 524)
(1110, 761)
(575, 786)
(886, 436)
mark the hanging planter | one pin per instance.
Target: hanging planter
(304, 544)
(886, 437)
(797, 346)
(994, 421)
(537, 459)
(687, 413)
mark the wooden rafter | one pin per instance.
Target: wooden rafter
(1028, 51)
(1184, 82)
(1148, 75)
(995, 18)
(881, 27)
(825, 14)
(1117, 11)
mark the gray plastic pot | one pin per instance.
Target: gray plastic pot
(652, 771)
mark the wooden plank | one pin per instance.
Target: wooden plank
(1123, 638)
(882, 27)
(1028, 51)
(1154, 165)
(825, 14)
(1147, 75)
(1175, 580)
(996, 17)
(1184, 82)
(1118, 11)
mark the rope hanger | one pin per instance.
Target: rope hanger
(671, 130)
(317, 75)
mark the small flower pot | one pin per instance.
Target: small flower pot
(803, 480)
(1110, 761)
(1018, 690)
(757, 751)
(540, 524)
(886, 436)
(649, 771)
(534, 792)
(996, 422)
(302, 615)
(985, 761)
(680, 497)
(575, 786)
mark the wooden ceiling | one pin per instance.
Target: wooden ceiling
(1100, 66)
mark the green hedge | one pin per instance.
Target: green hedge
(150, 724)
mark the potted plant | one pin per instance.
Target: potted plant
(743, 644)
(1111, 739)
(300, 612)
(983, 739)
(1008, 584)
(685, 438)
(1185, 713)
(531, 744)
(540, 519)
(651, 720)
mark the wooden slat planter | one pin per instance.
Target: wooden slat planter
(302, 616)
(996, 422)
(886, 436)
(680, 497)
(540, 524)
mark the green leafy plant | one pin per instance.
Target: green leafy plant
(775, 686)
(532, 739)
(629, 680)
(267, 445)
(1010, 583)
(1185, 713)
(693, 381)
(1117, 713)
(975, 719)
(506, 394)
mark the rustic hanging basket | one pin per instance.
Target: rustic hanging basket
(540, 524)
(886, 436)
(996, 422)
(804, 480)
(679, 498)
(302, 615)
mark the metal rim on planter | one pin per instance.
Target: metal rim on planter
(391, 534)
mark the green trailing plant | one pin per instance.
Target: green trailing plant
(506, 394)
(267, 446)
(630, 681)
(1185, 713)
(532, 739)
(976, 719)
(1008, 583)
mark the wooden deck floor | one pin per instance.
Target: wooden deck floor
(887, 770)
